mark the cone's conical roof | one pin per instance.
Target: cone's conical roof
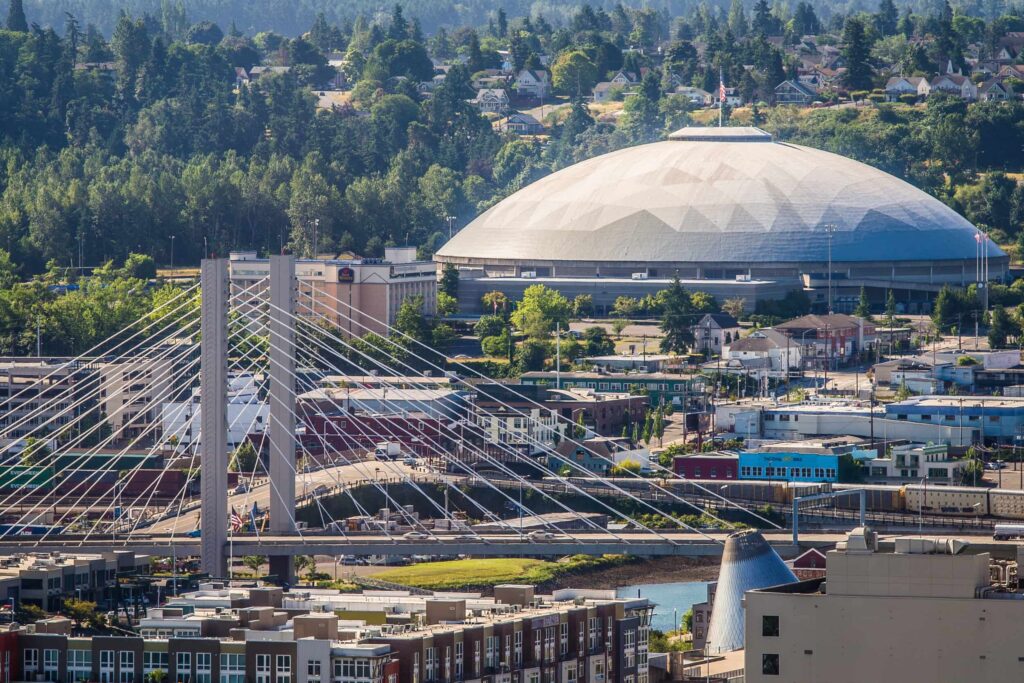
(748, 563)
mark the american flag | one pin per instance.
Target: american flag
(721, 89)
(236, 520)
(977, 237)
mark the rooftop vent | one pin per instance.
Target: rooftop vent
(728, 134)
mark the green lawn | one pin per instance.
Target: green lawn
(454, 574)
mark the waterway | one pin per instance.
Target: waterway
(680, 596)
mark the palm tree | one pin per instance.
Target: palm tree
(254, 562)
(494, 300)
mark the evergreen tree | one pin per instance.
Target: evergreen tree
(887, 18)
(1001, 327)
(863, 309)
(399, 29)
(890, 308)
(857, 52)
(737, 19)
(16, 20)
(678, 319)
(763, 21)
(503, 23)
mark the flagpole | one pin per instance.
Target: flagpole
(721, 96)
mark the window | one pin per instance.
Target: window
(313, 670)
(517, 647)
(458, 655)
(284, 668)
(262, 668)
(154, 661)
(926, 417)
(594, 627)
(770, 665)
(106, 666)
(80, 665)
(204, 667)
(126, 670)
(430, 668)
(30, 661)
(770, 626)
(183, 667)
(50, 669)
(415, 667)
(563, 638)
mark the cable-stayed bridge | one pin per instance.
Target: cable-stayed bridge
(255, 345)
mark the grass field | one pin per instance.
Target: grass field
(454, 574)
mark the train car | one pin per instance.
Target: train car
(1006, 503)
(29, 529)
(1004, 532)
(879, 497)
(962, 501)
(27, 478)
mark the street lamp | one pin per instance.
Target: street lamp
(172, 256)
(451, 221)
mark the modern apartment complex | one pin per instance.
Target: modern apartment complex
(359, 295)
(264, 635)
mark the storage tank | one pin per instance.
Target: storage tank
(748, 563)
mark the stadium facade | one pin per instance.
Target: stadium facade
(729, 211)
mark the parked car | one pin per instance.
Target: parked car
(414, 536)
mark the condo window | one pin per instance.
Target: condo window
(770, 626)
(770, 665)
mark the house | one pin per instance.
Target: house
(830, 339)
(603, 91)
(241, 77)
(598, 455)
(794, 92)
(1011, 71)
(625, 78)
(898, 86)
(533, 83)
(917, 460)
(713, 331)
(733, 97)
(696, 96)
(491, 100)
(956, 85)
(766, 347)
(994, 90)
(258, 72)
(521, 124)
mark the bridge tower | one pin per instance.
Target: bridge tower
(282, 408)
(213, 384)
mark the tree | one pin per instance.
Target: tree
(573, 73)
(857, 53)
(449, 283)
(446, 304)
(677, 320)
(530, 355)
(410, 319)
(539, 311)
(582, 306)
(16, 20)
(887, 18)
(626, 307)
(140, 266)
(488, 326)
(1001, 327)
(304, 563)
(863, 309)
(244, 458)
(618, 325)
(35, 451)
(597, 341)
(625, 468)
(80, 611)
(735, 307)
(494, 301)
(254, 562)
(442, 337)
(890, 309)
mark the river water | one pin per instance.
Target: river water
(666, 596)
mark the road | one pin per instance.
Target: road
(640, 544)
(306, 483)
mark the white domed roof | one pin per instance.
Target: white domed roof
(717, 196)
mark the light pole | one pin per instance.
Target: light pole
(172, 255)
(830, 229)
(451, 222)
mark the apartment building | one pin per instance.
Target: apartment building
(930, 611)
(359, 295)
(265, 635)
(133, 391)
(46, 580)
(38, 396)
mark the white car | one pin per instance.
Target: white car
(414, 536)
